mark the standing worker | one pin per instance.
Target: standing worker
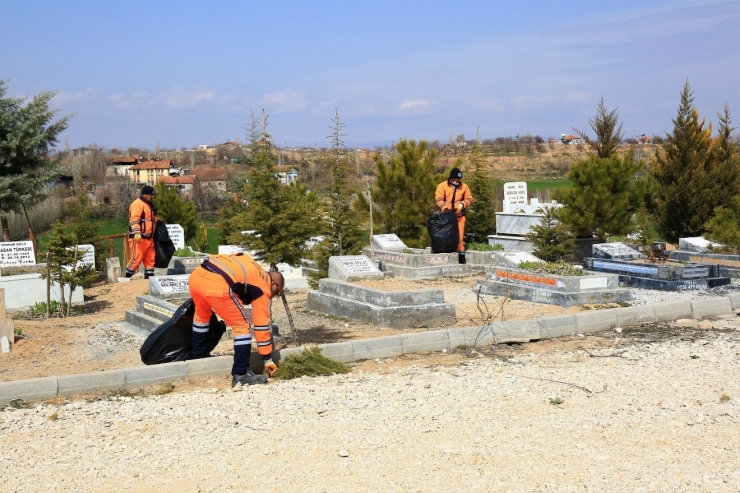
(453, 194)
(226, 284)
(140, 231)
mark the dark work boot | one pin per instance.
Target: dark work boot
(460, 257)
(199, 347)
(248, 378)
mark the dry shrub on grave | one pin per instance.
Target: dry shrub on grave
(309, 363)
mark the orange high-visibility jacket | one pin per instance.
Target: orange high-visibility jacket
(140, 219)
(242, 268)
(447, 196)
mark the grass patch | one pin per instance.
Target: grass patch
(724, 398)
(556, 401)
(485, 247)
(555, 268)
(309, 363)
(54, 416)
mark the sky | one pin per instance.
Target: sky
(182, 73)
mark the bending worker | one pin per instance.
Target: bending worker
(454, 194)
(140, 231)
(226, 284)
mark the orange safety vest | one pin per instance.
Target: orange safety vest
(242, 268)
(447, 196)
(140, 219)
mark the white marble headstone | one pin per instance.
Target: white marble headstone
(696, 244)
(177, 235)
(513, 259)
(16, 253)
(352, 268)
(167, 287)
(388, 242)
(515, 192)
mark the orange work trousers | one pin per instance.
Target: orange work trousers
(461, 231)
(141, 251)
(211, 292)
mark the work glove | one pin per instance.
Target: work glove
(270, 368)
(137, 237)
(460, 206)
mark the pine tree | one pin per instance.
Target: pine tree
(63, 263)
(608, 133)
(481, 216)
(342, 233)
(553, 241)
(403, 194)
(27, 134)
(284, 217)
(82, 223)
(606, 193)
(679, 168)
(170, 208)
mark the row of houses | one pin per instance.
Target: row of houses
(184, 179)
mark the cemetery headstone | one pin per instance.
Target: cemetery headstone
(169, 287)
(616, 250)
(353, 268)
(85, 256)
(388, 242)
(515, 193)
(177, 235)
(696, 244)
(229, 249)
(17, 253)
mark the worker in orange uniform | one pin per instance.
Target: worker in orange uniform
(454, 194)
(140, 231)
(226, 284)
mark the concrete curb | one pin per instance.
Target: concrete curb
(37, 389)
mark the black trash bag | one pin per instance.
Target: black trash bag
(172, 340)
(443, 231)
(163, 246)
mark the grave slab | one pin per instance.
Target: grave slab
(25, 290)
(388, 242)
(696, 244)
(616, 250)
(169, 287)
(513, 259)
(353, 268)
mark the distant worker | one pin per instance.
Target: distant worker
(141, 222)
(453, 194)
(226, 284)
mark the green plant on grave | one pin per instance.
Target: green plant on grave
(555, 268)
(553, 240)
(309, 363)
(184, 252)
(485, 247)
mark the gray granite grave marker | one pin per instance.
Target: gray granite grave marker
(616, 250)
(352, 268)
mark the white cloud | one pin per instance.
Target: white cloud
(416, 105)
(524, 101)
(65, 97)
(287, 101)
(135, 100)
(179, 97)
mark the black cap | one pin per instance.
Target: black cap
(147, 190)
(456, 173)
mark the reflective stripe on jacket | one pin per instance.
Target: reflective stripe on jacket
(447, 196)
(242, 268)
(140, 219)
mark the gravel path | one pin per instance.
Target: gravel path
(662, 416)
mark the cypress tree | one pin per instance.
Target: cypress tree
(481, 216)
(680, 167)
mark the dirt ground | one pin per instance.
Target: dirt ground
(95, 341)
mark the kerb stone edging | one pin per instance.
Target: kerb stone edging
(37, 389)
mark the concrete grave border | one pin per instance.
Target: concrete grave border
(36, 389)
